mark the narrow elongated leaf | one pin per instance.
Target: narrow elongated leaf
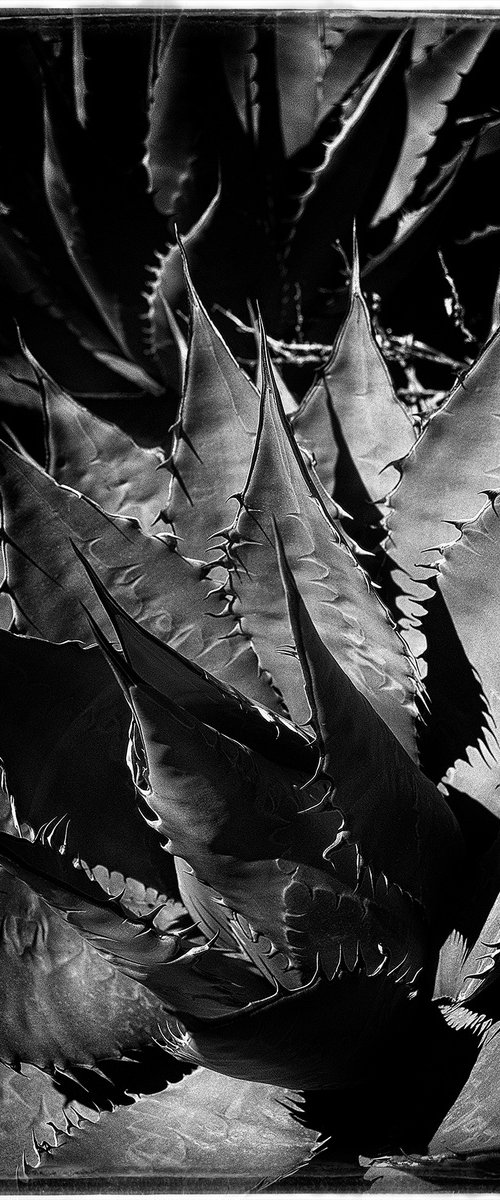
(105, 214)
(349, 61)
(299, 63)
(350, 419)
(351, 177)
(213, 439)
(62, 1004)
(224, 1132)
(75, 331)
(334, 587)
(48, 585)
(431, 84)
(64, 757)
(454, 460)
(182, 144)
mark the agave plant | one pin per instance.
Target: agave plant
(249, 837)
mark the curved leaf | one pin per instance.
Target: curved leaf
(399, 822)
(467, 578)
(298, 63)
(47, 584)
(354, 624)
(104, 211)
(213, 437)
(64, 756)
(348, 182)
(349, 61)
(62, 1004)
(471, 1125)
(351, 421)
(201, 694)
(227, 1133)
(98, 459)
(442, 478)
(431, 84)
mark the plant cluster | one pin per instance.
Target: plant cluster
(250, 654)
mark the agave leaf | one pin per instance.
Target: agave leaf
(62, 1004)
(471, 1125)
(335, 589)
(101, 206)
(98, 459)
(351, 421)
(467, 583)
(232, 838)
(431, 83)
(213, 437)
(43, 301)
(226, 1132)
(349, 61)
(442, 479)
(424, 844)
(299, 63)
(388, 268)
(232, 227)
(34, 1114)
(349, 181)
(47, 583)
(64, 758)
(201, 694)
(182, 140)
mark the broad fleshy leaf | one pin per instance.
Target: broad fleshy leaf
(471, 1125)
(47, 583)
(467, 579)
(100, 460)
(213, 437)
(354, 624)
(62, 1004)
(173, 676)
(351, 420)
(64, 757)
(225, 1133)
(396, 817)
(453, 462)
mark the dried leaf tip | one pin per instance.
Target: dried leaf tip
(265, 368)
(355, 287)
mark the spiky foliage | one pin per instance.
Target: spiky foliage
(249, 819)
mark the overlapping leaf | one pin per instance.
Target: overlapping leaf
(350, 419)
(455, 459)
(355, 168)
(103, 206)
(64, 757)
(48, 584)
(431, 84)
(220, 1131)
(396, 817)
(62, 1004)
(353, 623)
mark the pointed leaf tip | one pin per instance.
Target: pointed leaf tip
(355, 289)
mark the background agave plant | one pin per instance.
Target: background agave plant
(249, 816)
